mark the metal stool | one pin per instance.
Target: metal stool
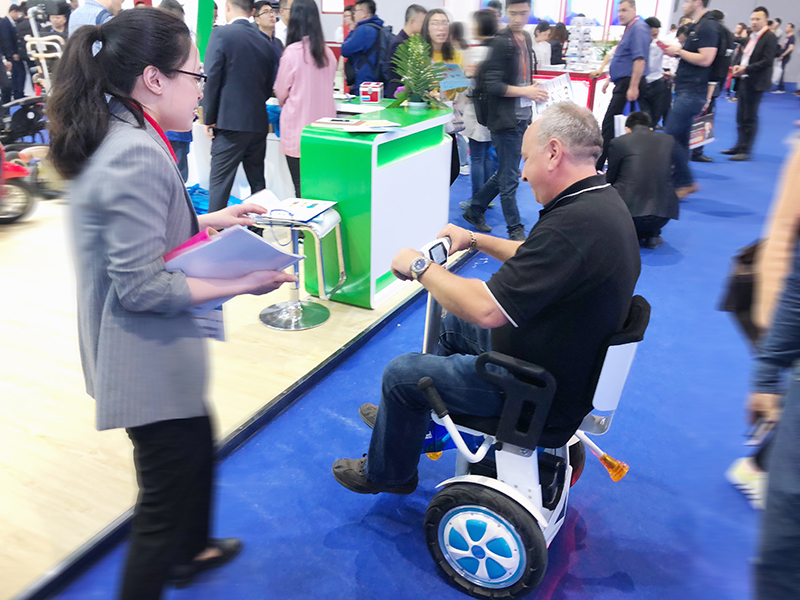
(296, 314)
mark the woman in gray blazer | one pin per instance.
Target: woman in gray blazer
(144, 357)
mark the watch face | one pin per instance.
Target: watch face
(418, 264)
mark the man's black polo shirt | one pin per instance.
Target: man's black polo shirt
(567, 289)
(693, 79)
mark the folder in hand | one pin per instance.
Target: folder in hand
(228, 254)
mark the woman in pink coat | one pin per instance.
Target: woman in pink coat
(304, 86)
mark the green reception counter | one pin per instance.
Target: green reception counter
(392, 190)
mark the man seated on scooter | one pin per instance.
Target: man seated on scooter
(557, 296)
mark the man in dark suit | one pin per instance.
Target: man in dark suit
(240, 66)
(755, 77)
(8, 39)
(415, 16)
(640, 169)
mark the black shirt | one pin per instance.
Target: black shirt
(789, 42)
(693, 79)
(568, 289)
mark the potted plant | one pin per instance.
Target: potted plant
(419, 76)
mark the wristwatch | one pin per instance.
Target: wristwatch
(419, 266)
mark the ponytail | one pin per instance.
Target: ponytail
(77, 109)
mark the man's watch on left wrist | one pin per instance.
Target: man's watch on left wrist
(418, 266)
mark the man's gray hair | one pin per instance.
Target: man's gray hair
(575, 127)
(631, 2)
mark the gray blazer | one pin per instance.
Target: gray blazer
(144, 359)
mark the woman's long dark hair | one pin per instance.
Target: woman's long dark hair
(486, 23)
(448, 53)
(559, 33)
(77, 109)
(304, 21)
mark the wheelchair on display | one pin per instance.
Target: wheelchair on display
(489, 526)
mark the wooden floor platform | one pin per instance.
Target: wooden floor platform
(62, 481)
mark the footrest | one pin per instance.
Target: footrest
(552, 477)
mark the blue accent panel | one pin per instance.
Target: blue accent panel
(500, 547)
(457, 541)
(469, 564)
(476, 529)
(494, 569)
(478, 552)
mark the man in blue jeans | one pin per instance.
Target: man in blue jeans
(777, 570)
(557, 296)
(691, 87)
(507, 78)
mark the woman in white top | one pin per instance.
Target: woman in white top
(541, 45)
(484, 27)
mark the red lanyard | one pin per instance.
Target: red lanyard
(161, 133)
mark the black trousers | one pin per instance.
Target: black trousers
(228, 150)
(747, 115)
(294, 169)
(174, 469)
(18, 70)
(655, 100)
(649, 226)
(784, 61)
(615, 107)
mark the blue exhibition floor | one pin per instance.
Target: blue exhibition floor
(673, 529)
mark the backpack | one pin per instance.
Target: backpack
(722, 62)
(383, 41)
(480, 99)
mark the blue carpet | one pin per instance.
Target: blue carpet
(673, 529)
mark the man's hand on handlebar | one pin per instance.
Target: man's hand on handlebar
(459, 238)
(401, 263)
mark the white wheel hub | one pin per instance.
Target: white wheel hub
(482, 546)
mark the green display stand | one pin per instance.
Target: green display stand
(392, 190)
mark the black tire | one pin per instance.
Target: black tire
(16, 201)
(520, 538)
(577, 459)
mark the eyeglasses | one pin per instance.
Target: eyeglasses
(439, 23)
(200, 78)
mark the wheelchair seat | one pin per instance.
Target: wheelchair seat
(529, 393)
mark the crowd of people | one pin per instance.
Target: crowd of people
(126, 92)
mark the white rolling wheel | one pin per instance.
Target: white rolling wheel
(485, 543)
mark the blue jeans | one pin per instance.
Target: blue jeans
(463, 149)
(181, 150)
(505, 180)
(404, 411)
(777, 575)
(482, 164)
(685, 107)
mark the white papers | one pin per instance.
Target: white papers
(232, 253)
(355, 126)
(357, 109)
(559, 89)
(290, 209)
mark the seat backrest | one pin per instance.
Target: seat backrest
(613, 366)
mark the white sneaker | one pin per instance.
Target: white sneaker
(750, 480)
(464, 170)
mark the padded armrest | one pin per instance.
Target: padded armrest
(528, 397)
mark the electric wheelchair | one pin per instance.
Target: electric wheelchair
(489, 526)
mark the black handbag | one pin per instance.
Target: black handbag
(738, 296)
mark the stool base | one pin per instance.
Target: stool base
(294, 316)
